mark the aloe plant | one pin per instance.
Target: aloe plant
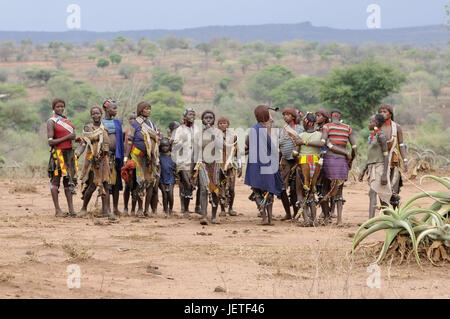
(403, 221)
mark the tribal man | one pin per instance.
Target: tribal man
(397, 151)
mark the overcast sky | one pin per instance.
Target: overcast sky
(120, 15)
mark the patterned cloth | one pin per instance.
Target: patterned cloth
(335, 167)
(338, 133)
(63, 163)
(286, 143)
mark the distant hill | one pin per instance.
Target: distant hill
(435, 35)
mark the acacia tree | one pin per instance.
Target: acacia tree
(358, 90)
(205, 48)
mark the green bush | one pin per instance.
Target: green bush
(166, 107)
(162, 77)
(40, 75)
(115, 58)
(102, 63)
(18, 114)
(79, 95)
(12, 91)
(262, 82)
(296, 92)
(128, 70)
(92, 57)
(3, 75)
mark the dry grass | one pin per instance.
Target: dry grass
(24, 188)
(4, 277)
(76, 253)
(137, 236)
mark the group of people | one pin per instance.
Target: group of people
(304, 163)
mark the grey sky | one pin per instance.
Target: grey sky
(114, 15)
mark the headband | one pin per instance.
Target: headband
(187, 110)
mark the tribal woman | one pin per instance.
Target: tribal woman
(114, 128)
(143, 147)
(96, 171)
(337, 161)
(322, 118)
(232, 166)
(263, 171)
(396, 150)
(126, 177)
(63, 161)
(210, 145)
(309, 169)
(183, 156)
(288, 163)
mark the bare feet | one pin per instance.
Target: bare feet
(232, 213)
(82, 213)
(215, 221)
(203, 221)
(60, 213)
(222, 214)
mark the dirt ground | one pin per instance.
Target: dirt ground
(246, 259)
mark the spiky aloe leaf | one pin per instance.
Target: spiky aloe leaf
(436, 206)
(429, 231)
(443, 197)
(408, 227)
(441, 180)
(371, 230)
(374, 220)
(390, 236)
(390, 211)
(436, 216)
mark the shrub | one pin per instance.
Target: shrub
(115, 58)
(128, 70)
(261, 83)
(3, 75)
(102, 63)
(12, 91)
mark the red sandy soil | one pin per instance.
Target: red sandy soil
(248, 260)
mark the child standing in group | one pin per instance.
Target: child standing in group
(128, 183)
(167, 180)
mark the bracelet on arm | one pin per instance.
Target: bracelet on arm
(385, 153)
(50, 138)
(354, 146)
